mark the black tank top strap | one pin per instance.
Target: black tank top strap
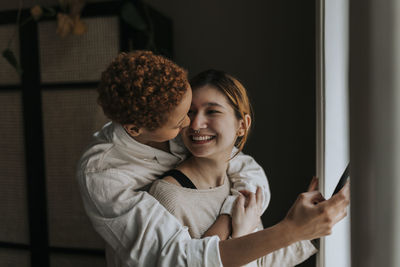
(182, 179)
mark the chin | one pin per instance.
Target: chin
(199, 154)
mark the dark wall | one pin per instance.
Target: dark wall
(270, 47)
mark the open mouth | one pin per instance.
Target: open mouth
(201, 139)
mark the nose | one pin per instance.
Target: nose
(198, 121)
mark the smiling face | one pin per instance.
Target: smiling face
(214, 126)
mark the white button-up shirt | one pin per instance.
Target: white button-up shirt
(114, 174)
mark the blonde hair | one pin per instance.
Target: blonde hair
(234, 91)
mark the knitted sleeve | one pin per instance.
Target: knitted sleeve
(165, 194)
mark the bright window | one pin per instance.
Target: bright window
(333, 117)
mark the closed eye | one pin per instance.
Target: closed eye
(178, 126)
(213, 111)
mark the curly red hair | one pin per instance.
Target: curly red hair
(141, 88)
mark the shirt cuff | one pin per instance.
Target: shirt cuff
(227, 207)
(305, 249)
(204, 252)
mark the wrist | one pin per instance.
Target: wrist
(236, 234)
(225, 217)
(289, 233)
(241, 231)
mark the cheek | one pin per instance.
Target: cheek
(186, 122)
(174, 134)
(229, 130)
(184, 132)
(167, 135)
(185, 137)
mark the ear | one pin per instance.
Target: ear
(132, 130)
(244, 125)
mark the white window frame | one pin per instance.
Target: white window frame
(332, 119)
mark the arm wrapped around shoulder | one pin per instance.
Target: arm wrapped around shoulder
(245, 174)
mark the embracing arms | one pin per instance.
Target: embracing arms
(247, 175)
(139, 229)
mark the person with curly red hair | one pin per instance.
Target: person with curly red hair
(140, 90)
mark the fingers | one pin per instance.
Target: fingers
(342, 198)
(240, 200)
(240, 203)
(337, 204)
(346, 189)
(259, 195)
(318, 198)
(315, 215)
(311, 196)
(259, 199)
(252, 200)
(313, 184)
(341, 215)
(246, 195)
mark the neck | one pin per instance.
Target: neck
(164, 146)
(161, 146)
(205, 173)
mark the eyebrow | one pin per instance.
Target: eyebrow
(213, 104)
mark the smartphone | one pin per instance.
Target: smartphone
(343, 179)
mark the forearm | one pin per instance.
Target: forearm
(222, 227)
(240, 251)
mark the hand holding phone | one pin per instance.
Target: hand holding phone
(343, 179)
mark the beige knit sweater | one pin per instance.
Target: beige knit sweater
(194, 208)
(198, 210)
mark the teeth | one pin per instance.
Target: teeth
(202, 138)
